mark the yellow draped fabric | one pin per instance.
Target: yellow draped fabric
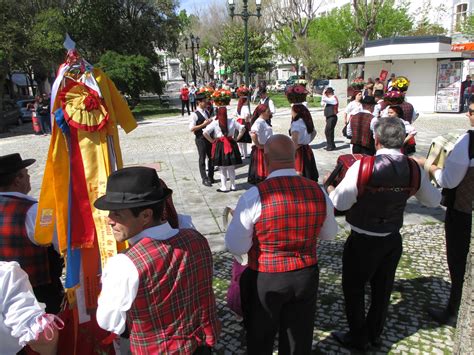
(100, 152)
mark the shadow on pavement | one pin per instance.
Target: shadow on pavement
(25, 129)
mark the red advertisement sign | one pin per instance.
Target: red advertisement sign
(383, 75)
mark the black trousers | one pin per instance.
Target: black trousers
(193, 106)
(279, 302)
(204, 148)
(185, 103)
(458, 237)
(369, 259)
(329, 130)
(359, 149)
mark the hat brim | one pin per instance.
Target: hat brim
(103, 204)
(24, 164)
(27, 162)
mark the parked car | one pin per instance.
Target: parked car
(319, 85)
(26, 107)
(279, 86)
(10, 115)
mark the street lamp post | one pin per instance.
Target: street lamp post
(245, 15)
(194, 45)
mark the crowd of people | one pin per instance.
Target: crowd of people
(159, 293)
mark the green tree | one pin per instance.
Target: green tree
(131, 74)
(467, 28)
(231, 50)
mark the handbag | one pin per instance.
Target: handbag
(344, 131)
(233, 292)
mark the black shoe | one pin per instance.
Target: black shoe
(376, 343)
(223, 191)
(442, 316)
(206, 182)
(212, 181)
(347, 341)
(329, 149)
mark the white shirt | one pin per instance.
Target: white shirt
(345, 194)
(263, 131)
(326, 100)
(120, 282)
(244, 112)
(456, 165)
(271, 105)
(19, 309)
(303, 136)
(194, 118)
(353, 107)
(378, 109)
(232, 126)
(238, 239)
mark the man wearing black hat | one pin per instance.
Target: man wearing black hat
(17, 228)
(265, 100)
(330, 112)
(361, 128)
(199, 120)
(162, 285)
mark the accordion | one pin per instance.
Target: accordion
(344, 162)
(439, 150)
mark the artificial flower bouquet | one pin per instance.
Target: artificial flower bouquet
(401, 83)
(207, 91)
(296, 94)
(394, 97)
(243, 91)
(221, 97)
(358, 83)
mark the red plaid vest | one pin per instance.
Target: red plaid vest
(361, 133)
(14, 242)
(407, 111)
(174, 311)
(285, 236)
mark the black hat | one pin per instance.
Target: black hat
(12, 163)
(132, 187)
(368, 100)
(200, 96)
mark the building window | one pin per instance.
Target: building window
(461, 14)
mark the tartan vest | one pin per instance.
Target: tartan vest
(381, 206)
(14, 242)
(361, 133)
(174, 311)
(407, 111)
(285, 237)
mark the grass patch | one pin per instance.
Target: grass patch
(153, 109)
(280, 100)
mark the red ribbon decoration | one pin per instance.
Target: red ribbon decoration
(227, 144)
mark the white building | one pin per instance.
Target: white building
(434, 70)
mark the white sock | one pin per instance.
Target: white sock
(231, 173)
(223, 171)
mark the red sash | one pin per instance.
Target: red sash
(227, 145)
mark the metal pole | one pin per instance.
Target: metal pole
(194, 64)
(245, 17)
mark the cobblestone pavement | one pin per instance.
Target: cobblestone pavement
(422, 276)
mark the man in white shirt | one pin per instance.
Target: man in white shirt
(162, 285)
(198, 121)
(457, 180)
(374, 247)
(17, 224)
(279, 223)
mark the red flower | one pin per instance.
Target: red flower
(91, 103)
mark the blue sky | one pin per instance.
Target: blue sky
(191, 5)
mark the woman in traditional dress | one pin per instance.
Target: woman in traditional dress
(260, 131)
(409, 145)
(243, 117)
(225, 152)
(355, 106)
(302, 132)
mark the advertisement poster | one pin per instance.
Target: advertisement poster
(448, 89)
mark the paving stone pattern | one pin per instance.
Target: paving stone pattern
(422, 277)
(421, 280)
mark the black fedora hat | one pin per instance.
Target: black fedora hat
(200, 96)
(12, 163)
(368, 100)
(132, 187)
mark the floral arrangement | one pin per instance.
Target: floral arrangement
(221, 97)
(394, 97)
(206, 90)
(358, 83)
(401, 83)
(296, 94)
(243, 91)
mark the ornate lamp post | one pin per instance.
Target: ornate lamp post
(194, 41)
(245, 15)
